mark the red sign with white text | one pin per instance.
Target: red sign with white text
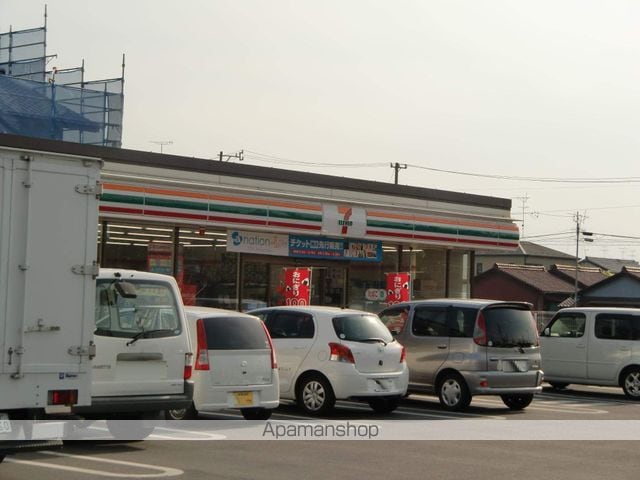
(398, 287)
(297, 286)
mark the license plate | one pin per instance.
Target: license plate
(382, 384)
(243, 399)
(513, 365)
(521, 365)
(5, 424)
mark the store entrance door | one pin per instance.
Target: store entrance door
(328, 286)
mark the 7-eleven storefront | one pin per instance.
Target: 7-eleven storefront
(240, 242)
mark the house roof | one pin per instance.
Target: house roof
(527, 248)
(611, 264)
(630, 272)
(587, 276)
(535, 276)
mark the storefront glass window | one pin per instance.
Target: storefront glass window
(428, 273)
(255, 285)
(368, 282)
(206, 271)
(138, 247)
(459, 285)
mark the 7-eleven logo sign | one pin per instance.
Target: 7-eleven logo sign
(344, 221)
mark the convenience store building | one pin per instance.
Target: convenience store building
(230, 233)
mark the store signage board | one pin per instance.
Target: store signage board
(260, 243)
(344, 221)
(303, 246)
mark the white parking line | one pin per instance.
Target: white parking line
(158, 471)
(556, 407)
(426, 413)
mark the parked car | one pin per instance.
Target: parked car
(328, 353)
(593, 346)
(461, 348)
(234, 365)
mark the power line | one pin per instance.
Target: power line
(263, 157)
(577, 180)
(535, 179)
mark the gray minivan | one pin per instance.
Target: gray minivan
(461, 348)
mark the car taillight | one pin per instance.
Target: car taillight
(480, 331)
(188, 369)
(403, 355)
(274, 364)
(341, 353)
(63, 397)
(202, 352)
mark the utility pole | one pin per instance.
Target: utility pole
(226, 157)
(525, 210)
(397, 166)
(162, 143)
(575, 287)
(579, 218)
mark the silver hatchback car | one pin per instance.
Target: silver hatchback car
(461, 348)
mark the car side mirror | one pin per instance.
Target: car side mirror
(546, 332)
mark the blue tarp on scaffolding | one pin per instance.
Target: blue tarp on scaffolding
(32, 109)
(55, 103)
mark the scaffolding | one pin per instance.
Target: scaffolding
(55, 103)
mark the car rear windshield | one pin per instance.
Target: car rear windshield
(235, 333)
(510, 327)
(361, 328)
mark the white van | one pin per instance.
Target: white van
(593, 346)
(143, 356)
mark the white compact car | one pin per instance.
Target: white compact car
(328, 353)
(235, 364)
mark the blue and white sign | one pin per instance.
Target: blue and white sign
(302, 246)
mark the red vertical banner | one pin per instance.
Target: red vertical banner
(398, 287)
(297, 286)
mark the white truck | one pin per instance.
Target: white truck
(48, 234)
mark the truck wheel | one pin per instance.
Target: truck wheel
(383, 405)
(631, 383)
(517, 402)
(453, 392)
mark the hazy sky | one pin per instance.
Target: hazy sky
(515, 88)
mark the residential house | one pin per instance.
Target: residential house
(587, 276)
(619, 290)
(528, 283)
(528, 253)
(613, 265)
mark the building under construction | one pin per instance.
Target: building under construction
(59, 104)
